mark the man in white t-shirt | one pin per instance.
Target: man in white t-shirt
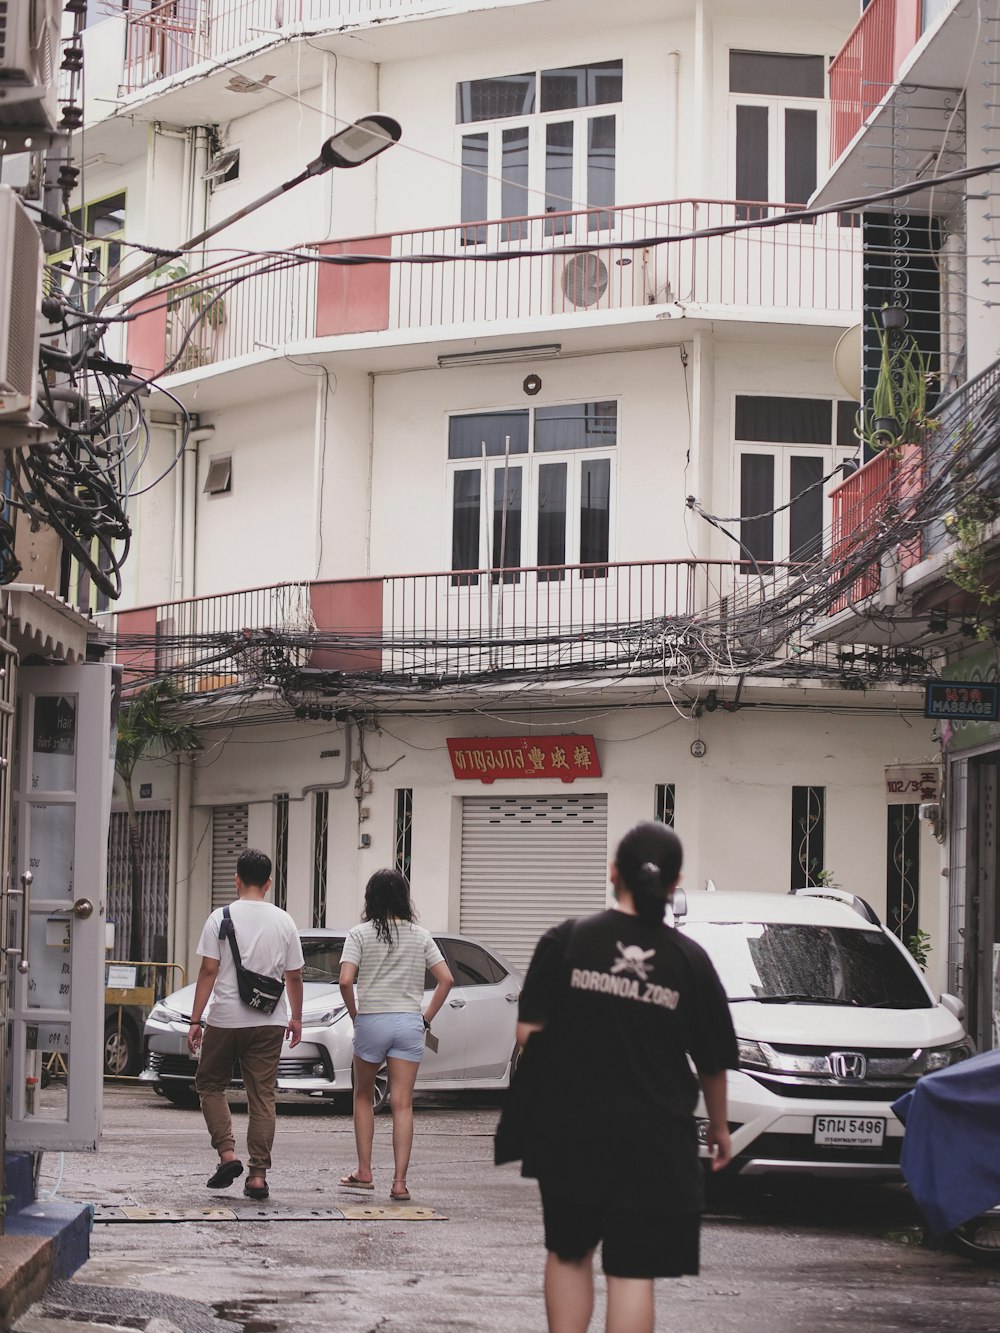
(268, 944)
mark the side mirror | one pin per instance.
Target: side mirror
(954, 1005)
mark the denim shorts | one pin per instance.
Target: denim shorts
(377, 1036)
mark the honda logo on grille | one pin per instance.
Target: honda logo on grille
(849, 1064)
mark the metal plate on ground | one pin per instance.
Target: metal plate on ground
(393, 1212)
(398, 1212)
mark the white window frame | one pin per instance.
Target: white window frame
(832, 455)
(537, 124)
(529, 463)
(776, 108)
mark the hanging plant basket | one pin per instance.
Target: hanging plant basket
(887, 426)
(893, 317)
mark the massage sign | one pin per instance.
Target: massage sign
(488, 758)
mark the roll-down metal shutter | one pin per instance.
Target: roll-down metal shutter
(528, 862)
(230, 829)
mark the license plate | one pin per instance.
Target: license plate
(849, 1131)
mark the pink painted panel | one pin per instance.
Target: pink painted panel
(147, 336)
(354, 609)
(353, 298)
(137, 662)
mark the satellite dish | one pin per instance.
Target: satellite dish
(847, 362)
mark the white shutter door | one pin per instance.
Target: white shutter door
(528, 862)
(230, 830)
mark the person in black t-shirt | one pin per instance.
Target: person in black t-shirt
(624, 1001)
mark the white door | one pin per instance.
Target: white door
(62, 798)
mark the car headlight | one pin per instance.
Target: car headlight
(942, 1057)
(751, 1055)
(323, 1018)
(162, 1013)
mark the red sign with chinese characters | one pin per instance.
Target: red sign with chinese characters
(487, 758)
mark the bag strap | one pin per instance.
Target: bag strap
(228, 931)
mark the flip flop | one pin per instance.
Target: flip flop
(399, 1196)
(225, 1174)
(256, 1191)
(351, 1182)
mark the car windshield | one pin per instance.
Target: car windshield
(783, 963)
(322, 959)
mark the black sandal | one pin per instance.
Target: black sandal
(256, 1191)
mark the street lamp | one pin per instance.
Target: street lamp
(349, 147)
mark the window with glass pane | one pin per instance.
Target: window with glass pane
(801, 136)
(558, 177)
(576, 426)
(776, 74)
(507, 524)
(595, 515)
(552, 516)
(757, 498)
(496, 99)
(514, 186)
(475, 183)
(582, 85)
(752, 159)
(465, 509)
(805, 514)
(600, 169)
(488, 434)
(784, 420)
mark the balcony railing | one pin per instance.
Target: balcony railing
(450, 277)
(868, 64)
(171, 36)
(629, 619)
(886, 495)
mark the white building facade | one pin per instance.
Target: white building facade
(534, 471)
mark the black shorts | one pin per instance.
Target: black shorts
(635, 1244)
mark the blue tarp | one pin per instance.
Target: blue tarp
(951, 1150)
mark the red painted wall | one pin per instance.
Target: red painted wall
(147, 335)
(353, 298)
(354, 609)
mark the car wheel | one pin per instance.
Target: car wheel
(180, 1094)
(381, 1098)
(978, 1240)
(121, 1049)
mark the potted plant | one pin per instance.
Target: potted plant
(194, 307)
(898, 409)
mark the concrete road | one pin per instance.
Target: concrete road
(790, 1261)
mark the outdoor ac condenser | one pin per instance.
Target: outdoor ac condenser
(29, 55)
(20, 299)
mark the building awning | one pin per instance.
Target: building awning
(39, 622)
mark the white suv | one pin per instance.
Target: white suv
(834, 1021)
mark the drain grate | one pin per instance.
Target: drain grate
(396, 1212)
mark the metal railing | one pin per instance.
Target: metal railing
(174, 35)
(866, 67)
(882, 494)
(243, 308)
(641, 616)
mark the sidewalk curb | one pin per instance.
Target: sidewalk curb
(43, 1243)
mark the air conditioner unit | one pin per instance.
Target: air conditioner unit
(20, 300)
(610, 281)
(29, 55)
(585, 279)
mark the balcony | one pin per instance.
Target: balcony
(622, 621)
(174, 35)
(898, 501)
(453, 278)
(868, 65)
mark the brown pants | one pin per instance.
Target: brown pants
(257, 1050)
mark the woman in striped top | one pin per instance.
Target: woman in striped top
(387, 956)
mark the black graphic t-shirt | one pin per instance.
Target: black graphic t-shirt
(624, 1005)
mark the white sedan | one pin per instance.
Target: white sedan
(474, 1030)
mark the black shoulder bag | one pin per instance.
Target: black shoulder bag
(256, 990)
(515, 1132)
